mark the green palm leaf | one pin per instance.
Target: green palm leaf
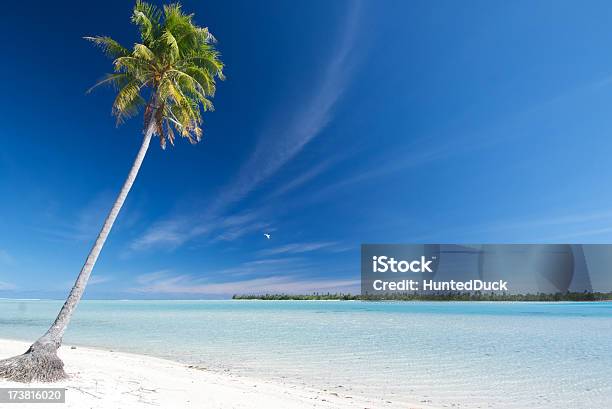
(175, 65)
(110, 47)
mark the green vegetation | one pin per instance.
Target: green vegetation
(175, 61)
(441, 296)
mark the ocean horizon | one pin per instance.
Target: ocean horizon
(536, 354)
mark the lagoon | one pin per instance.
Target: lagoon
(470, 354)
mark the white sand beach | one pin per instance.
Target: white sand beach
(114, 380)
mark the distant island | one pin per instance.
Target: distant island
(441, 296)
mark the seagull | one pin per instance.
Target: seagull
(267, 236)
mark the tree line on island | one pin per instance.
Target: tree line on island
(434, 296)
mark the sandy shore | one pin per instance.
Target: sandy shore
(113, 380)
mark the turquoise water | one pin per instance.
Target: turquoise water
(489, 355)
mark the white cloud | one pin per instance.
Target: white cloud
(241, 224)
(304, 177)
(98, 279)
(276, 146)
(169, 233)
(174, 232)
(271, 275)
(267, 267)
(7, 286)
(295, 248)
(284, 140)
(85, 224)
(95, 279)
(580, 218)
(6, 257)
(583, 224)
(184, 284)
(152, 277)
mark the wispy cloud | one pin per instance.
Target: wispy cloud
(277, 145)
(84, 225)
(176, 231)
(305, 177)
(431, 149)
(266, 267)
(93, 281)
(586, 224)
(583, 224)
(297, 248)
(6, 257)
(99, 279)
(582, 234)
(422, 151)
(287, 137)
(237, 225)
(169, 233)
(7, 286)
(148, 278)
(394, 164)
(556, 220)
(185, 284)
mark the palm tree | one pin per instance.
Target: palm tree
(171, 72)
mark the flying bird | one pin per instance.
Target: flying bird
(267, 236)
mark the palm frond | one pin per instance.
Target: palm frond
(205, 35)
(175, 20)
(203, 77)
(127, 102)
(116, 80)
(190, 85)
(207, 60)
(110, 47)
(147, 17)
(179, 64)
(170, 46)
(135, 66)
(143, 52)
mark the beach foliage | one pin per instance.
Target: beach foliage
(435, 296)
(171, 72)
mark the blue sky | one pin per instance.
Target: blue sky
(340, 123)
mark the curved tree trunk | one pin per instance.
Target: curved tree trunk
(40, 362)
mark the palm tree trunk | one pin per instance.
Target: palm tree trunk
(40, 362)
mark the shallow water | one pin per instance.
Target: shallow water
(506, 355)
